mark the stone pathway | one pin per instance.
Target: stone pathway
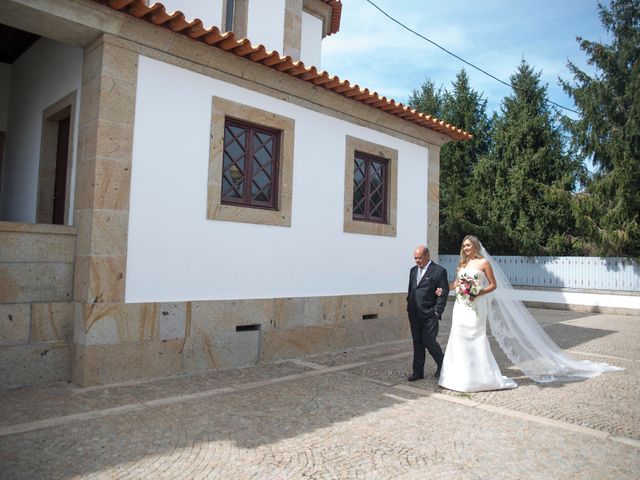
(344, 415)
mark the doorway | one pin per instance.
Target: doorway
(62, 161)
(54, 176)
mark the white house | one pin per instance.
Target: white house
(185, 191)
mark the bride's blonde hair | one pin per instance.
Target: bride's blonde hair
(464, 259)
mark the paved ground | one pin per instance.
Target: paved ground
(343, 415)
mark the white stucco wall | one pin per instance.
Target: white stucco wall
(208, 11)
(5, 76)
(175, 253)
(46, 73)
(310, 51)
(265, 24)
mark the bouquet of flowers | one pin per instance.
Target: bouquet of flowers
(468, 287)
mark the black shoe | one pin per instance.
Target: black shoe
(413, 378)
(437, 374)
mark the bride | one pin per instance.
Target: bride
(469, 365)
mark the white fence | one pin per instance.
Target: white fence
(586, 273)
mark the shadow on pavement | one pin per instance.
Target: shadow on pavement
(269, 417)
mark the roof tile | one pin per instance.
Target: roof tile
(242, 47)
(336, 13)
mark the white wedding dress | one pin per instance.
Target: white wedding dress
(469, 365)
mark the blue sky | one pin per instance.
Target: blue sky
(496, 35)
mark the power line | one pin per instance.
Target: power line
(458, 57)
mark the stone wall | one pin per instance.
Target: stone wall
(124, 341)
(121, 342)
(36, 309)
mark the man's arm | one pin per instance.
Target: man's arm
(441, 301)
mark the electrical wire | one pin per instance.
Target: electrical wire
(458, 57)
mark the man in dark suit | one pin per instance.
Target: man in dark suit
(425, 309)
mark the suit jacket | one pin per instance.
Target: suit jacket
(422, 301)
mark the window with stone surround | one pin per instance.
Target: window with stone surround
(250, 165)
(370, 188)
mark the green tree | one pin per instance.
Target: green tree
(608, 133)
(427, 99)
(524, 186)
(465, 108)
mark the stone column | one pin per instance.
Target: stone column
(292, 42)
(104, 171)
(103, 182)
(433, 202)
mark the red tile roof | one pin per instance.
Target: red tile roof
(336, 12)
(242, 47)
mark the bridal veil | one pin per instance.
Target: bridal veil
(525, 342)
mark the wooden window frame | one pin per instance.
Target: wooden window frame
(387, 227)
(223, 109)
(247, 200)
(368, 160)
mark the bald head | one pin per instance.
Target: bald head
(421, 256)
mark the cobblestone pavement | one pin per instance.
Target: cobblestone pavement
(342, 415)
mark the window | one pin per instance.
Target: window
(369, 188)
(370, 193)
(229, 12)
(250, 165)
(235, 15)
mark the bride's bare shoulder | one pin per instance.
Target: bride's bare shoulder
(486, 267)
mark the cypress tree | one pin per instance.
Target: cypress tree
(608, 133)
(524, 186)
(427, 99)
(465, 108)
